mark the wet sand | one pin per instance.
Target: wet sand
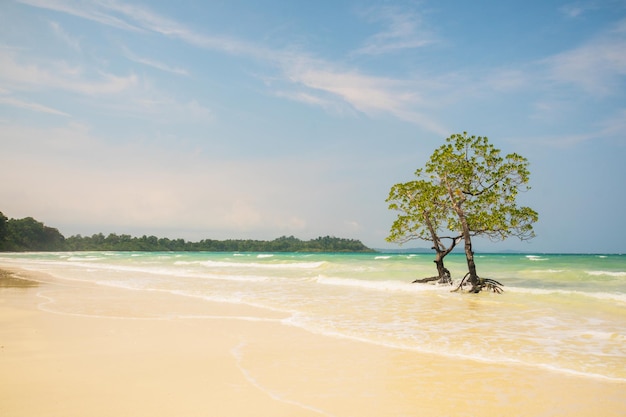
(76, 349)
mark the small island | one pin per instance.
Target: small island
(28, 234)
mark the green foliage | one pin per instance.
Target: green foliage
(114, 242)
(468, 188)
(30, 235)
(4, 232)
(423, 210)
(482, 187)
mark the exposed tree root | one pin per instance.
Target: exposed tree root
(446, 279)
(488, 283)
(425, 280)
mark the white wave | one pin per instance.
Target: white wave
(603, 335)
(84, 258)
(256, 265)
(535, 258)
(377, 285)
(265, 255)
(303, 323)
(151, 270)
(382, 257)
(546, 271)
(609, 273)
(620, 297)
(608, 296)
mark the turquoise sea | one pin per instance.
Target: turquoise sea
(565, 313)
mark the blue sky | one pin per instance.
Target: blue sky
(257, 119)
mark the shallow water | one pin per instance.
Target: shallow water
(566, 313)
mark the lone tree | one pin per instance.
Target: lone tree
(424, 210)
(479, 189)
(482, 188)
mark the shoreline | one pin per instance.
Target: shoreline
(10, 278)
(84, 349)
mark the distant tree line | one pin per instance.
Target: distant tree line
(28, 234)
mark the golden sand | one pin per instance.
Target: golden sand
(75, 349)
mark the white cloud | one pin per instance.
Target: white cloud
(36, 107)
(577, 9)
(506, 80)
(571, 10)
(404, 30)
(611, 128)
(597, 66)
(89, 10)
(64, 36)
(154, 64)
(368, 94)
(329, 104)
(136, 18)
(58, 75)
(128, 95)
(615, 125)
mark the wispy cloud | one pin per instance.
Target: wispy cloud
(610, 128)
(403, 30)
(85, 9)
(596, 66)
(36, 107)
(371, 95)
(329, 104)
(141, 19)
(577, 9)
(153, 63)
(59, 75)
(615, 125)
(368, 94)
(64, 36)
(507, 79)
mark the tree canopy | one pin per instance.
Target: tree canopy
(482, 186)
(424, 212)
(28, 234)
(467, 188)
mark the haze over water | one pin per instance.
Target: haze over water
(566, 313)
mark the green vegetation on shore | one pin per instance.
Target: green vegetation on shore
(28, 234)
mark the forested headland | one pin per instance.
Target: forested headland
(28, 234)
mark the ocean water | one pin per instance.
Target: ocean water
(565, 313)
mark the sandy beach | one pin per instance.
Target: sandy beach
(79, 349)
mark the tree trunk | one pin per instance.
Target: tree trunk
(469, 253)
(443, 274)
(471, 266)
(457, 198)
(442, 271)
